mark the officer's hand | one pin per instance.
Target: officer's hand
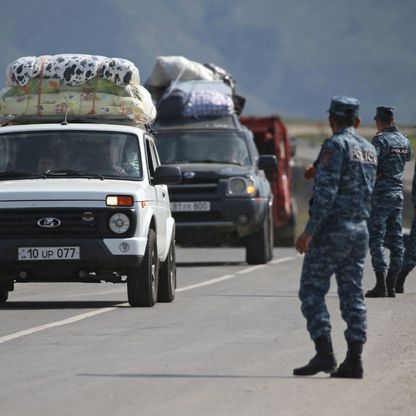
(302, 243)
(309, 172)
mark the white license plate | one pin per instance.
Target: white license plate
(190, 206)
(48, 253)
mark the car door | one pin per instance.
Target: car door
(161, 207)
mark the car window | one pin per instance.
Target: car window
(202, 146)
(152, 162)
(102, 153)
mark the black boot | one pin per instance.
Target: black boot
(400, 281)
(380, 289)
(352, 367)
(324, 359)
(391, 284)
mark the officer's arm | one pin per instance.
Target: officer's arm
(409, 154)
(327, 180)
(414, 189)
(380, 147)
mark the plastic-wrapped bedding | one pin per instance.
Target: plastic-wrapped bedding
(135, 106)
(208, 104)
(173, 68)
(73, 69)
(80, 86)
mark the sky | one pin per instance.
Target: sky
(288, 57)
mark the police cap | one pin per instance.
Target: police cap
(344, 106)
(384, 113)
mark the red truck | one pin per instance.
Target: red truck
(271, 137)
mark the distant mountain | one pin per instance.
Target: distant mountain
(288, 57)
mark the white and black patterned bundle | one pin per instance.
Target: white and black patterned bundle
(75, 69)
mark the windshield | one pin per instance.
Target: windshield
(202, 147)
(69, 153)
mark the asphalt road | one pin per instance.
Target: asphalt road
(227, 345)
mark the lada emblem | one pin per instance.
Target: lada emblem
(188, 174)
(88, 216)
(49, 222)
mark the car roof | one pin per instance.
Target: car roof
(213, 123)
(71, 126)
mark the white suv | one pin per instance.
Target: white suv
(86, 203)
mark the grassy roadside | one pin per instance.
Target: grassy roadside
(316, 131)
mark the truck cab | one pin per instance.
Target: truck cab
(271, 137)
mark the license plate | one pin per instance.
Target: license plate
(190, 206)
(48, 253)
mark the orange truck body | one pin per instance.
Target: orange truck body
(271, 137)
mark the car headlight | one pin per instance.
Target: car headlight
(241, 187)
(119, 223)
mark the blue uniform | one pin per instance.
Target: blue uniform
(393, 151)
(344, 181)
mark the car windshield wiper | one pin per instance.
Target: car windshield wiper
(226, 162)
(71, 172)
(20, 174)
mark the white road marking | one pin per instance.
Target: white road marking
(277, 261)
(86, 315)
(206, 283)
(54, 324)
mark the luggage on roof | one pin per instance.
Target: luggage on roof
(196, 99)
(78, 87)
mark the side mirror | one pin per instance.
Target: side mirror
(167, 175)
(267, 162)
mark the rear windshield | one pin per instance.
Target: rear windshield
(69, 153)
(202, 147)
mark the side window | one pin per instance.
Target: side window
(155, 155)
(151, 154)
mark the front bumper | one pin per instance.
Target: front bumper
(98, 261)
(228, 216)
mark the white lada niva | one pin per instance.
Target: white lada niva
(86, 203)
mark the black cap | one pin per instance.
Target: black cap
(384, 113)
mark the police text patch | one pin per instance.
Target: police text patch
(364, 156)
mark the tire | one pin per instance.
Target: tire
(142, 282)
(4, 295)
(167, 277)
(259, 245)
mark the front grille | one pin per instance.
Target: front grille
(22, 223)
(197, 216)
(188, 189)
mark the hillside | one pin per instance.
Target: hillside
(288, 57)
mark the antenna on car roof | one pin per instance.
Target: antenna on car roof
(65, 122)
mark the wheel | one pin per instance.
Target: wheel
(259, 245)
(4, 295)
(167, 277)
(142, 282)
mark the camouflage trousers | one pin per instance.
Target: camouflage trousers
(386, 221)
(338, 249)
(409, 259)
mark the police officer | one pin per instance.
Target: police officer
(409, 259)
(335, 240)
(393, 150)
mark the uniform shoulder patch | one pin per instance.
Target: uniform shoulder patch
(326, 156)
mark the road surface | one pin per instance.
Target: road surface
(227, 345)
